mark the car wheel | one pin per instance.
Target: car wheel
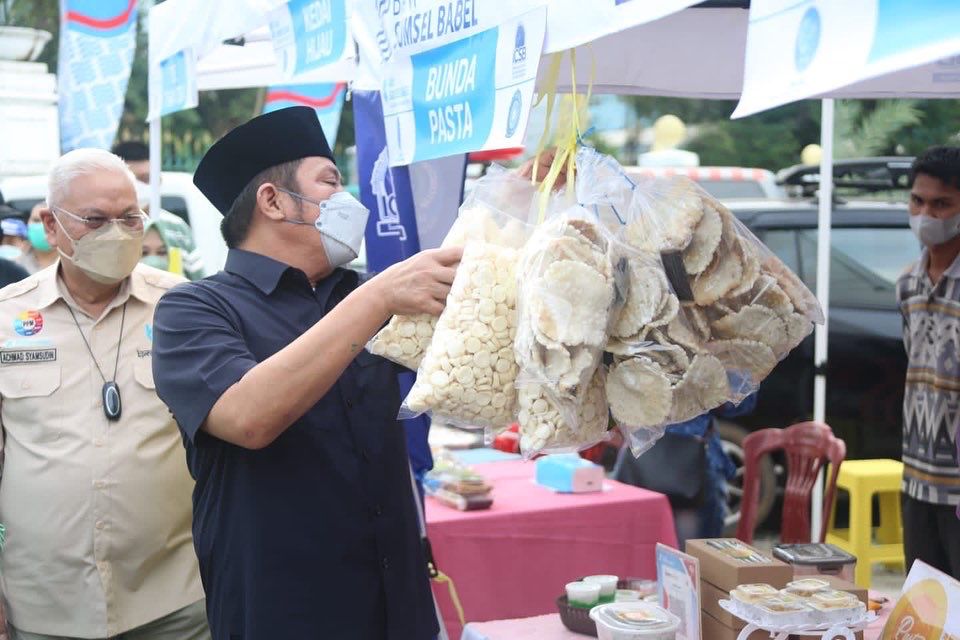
(731, 438)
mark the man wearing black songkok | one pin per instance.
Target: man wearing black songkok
(304, 519)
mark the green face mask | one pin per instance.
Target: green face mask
(37, 237)
(157, 262)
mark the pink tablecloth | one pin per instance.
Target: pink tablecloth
(513, 560)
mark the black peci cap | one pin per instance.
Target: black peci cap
(266, 141)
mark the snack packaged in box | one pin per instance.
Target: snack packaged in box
(405, 338)
(565, 302)
(467, 375)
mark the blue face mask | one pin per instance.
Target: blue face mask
(157, 262)
(38, 237)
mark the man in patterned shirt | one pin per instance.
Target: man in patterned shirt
(929, 297)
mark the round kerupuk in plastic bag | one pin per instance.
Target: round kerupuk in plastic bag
(747, 308)
(566, 299)
(405, 338)
(658, 365)
(468, 373)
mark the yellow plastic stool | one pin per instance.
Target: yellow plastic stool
(862, 479)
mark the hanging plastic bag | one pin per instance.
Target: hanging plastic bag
(567, 295)
(405, 339)
(467, 375)
(707, 313)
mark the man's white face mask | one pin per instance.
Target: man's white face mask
(341, 224)
(935, 231)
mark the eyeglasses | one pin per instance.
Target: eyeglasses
(128, 220)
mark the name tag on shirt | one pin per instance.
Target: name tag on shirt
(27, 356)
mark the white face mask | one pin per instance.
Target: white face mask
(10, 252)
(108, 254)
(934, 231)
(341, 224)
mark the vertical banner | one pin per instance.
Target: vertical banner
(385, 190)
(391, 233)
(97, 42)
(178, 82)
(308, 34)
(326, 99)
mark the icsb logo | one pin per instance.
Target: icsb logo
(520, 46)
(28, 323)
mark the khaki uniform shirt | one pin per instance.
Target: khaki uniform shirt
(97, 513)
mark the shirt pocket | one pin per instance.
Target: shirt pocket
(29, 381)
(143, 373)
(29, 411)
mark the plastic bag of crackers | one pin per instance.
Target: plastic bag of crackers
(567, 296)
(405, 339)
(468, 372)
(708, 309)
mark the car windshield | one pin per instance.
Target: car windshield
(865, 263)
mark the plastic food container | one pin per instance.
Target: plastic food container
(750, 593)
(583, 594)
(807, 587)
(627, 595)
(836, 607)
(634, 621)
(817, 558)
(608, 586)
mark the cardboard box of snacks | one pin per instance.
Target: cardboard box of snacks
(727, 563)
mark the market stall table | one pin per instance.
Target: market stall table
(549, 627)
(513, 560)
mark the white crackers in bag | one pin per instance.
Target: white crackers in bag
(567, 296)
(405, 338)
(468, 372)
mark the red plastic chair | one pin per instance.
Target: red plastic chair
(806, 445)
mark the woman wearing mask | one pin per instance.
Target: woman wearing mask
(157, 251)
(40, 254)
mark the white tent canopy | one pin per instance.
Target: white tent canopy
(700, 53)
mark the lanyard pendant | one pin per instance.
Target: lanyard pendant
(112, 406)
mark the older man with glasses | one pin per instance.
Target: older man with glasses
(94, 492)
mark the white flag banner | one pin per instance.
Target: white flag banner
(811, 48)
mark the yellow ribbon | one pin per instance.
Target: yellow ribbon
(569, 128)
(443, 578)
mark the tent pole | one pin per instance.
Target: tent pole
(155, 148)
(824, 223)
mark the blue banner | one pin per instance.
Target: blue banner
(177, 79)
(391, 232)
(460, 90)
(325, 98)
(97, 43)
(385, 190)
(309, 34)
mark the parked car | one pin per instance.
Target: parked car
(723, 183)
(871, 245)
